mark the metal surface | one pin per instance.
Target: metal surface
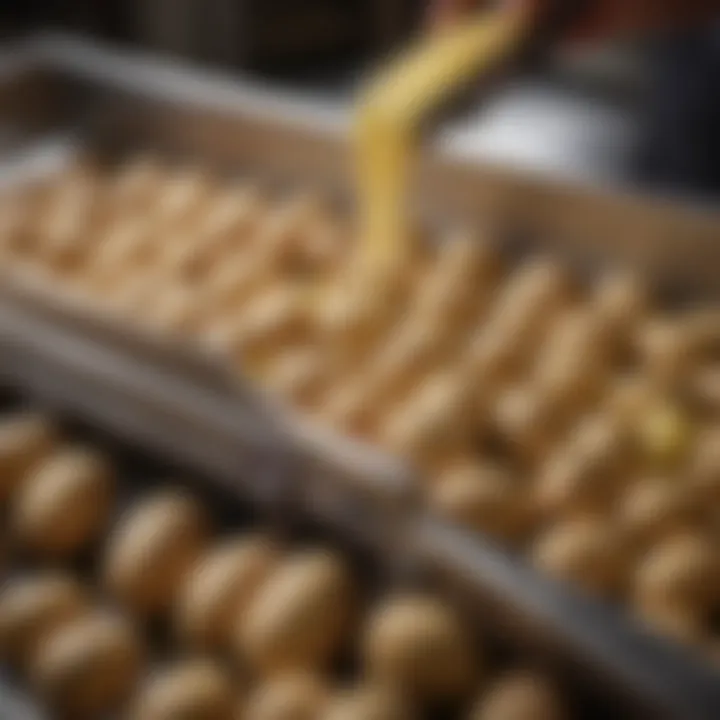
(165, 396)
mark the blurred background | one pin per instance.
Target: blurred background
(636, 102)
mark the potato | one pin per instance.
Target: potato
(152, 548)
(220, 587)
(681, 572)
(186, 691)
(287, 697)
(65, 504)
(33, 607)
(521, 696)
(482, 497)
(367, 703)
(586, 552)
(654, 508)
(418, 646)
(89, 666)
(300, 617)
(25, 440)
(585, 473)
(519, 317)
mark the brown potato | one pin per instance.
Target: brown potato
(287, 697)
(482, 497)
(367, 703)
(681, 573)
(152, 548)
(65, 504)
(300, 617)
(220, 587)
(418, 646)
(189, 690)
(89, 666)
(519, 318)
(585, 552)
(25, 440)
(654, 508)
(33, 607)
(521, 696)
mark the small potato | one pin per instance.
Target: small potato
(681, 572)
(654, 508)
(300, 617)
(192, 689)
(521, 696)
(89, 666)
(25, 440)
(518, 319)
(152, 548)
(287, 697)
(584, 552)
(220, 587)
(65, 504)
(482, 497)
(367, 703)
(418, 646)
(585, 473)
(33, 607)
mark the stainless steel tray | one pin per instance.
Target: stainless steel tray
(62, 97)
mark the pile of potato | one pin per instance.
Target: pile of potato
(141, 610)
(578, 423)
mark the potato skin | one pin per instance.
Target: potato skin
(220, 587)
(152, 548)
(300, 618)
(189, 690)
(33, 607)
(418, 646)
(24, 441)
(65, 504)
(89, 666)
(296, 696)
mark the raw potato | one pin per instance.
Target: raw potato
(220, 587)
(288, 697)
(33, 607)
(482, 497)
(25, 440)
(521, 696)
(586, 552)
(300, 617)
(367, 703)
(88, 666)
(680, 573)
(65, 504)
(418, 646)
(191, 690)
(152, 548)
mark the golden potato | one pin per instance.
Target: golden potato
(152, 548)
(300, 617)
(88, 666)
(33, 607)
(521, 696)
(367, 703)
(220, 587)
(25, 440)
(681, 573)
(482, 497)
(65, 504)
(188, 690)
(287, 697)
(585, 552)
(418, 646)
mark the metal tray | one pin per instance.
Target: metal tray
(63, 97)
